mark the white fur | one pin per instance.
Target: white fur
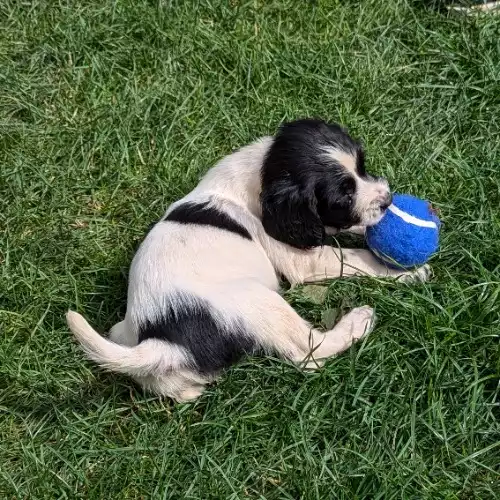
(237, 276)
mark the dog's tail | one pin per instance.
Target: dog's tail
(146, 358)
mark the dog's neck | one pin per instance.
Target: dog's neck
(237, 177)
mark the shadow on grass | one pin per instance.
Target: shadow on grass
(88, 399)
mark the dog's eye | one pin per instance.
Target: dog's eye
(349, 199)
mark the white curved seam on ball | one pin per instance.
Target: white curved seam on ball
(410, 219)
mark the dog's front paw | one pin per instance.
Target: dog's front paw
(419, 275)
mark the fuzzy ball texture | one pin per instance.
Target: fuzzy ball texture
(407, 235)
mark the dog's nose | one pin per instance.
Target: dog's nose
(386, 201)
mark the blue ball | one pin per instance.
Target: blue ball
(407, 235)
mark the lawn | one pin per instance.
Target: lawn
(112, 110)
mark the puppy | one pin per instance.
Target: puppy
(204, 284)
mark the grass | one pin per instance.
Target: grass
(112, 110)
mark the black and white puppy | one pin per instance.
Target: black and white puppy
(204, 284)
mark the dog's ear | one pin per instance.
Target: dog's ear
(291, 217)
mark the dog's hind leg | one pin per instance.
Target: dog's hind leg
(181, 386)
(279, 328)
(122, 334)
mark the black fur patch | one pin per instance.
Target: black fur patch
(206, 215)
(360, 162)
(194, 324)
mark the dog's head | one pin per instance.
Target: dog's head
(313, 177)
